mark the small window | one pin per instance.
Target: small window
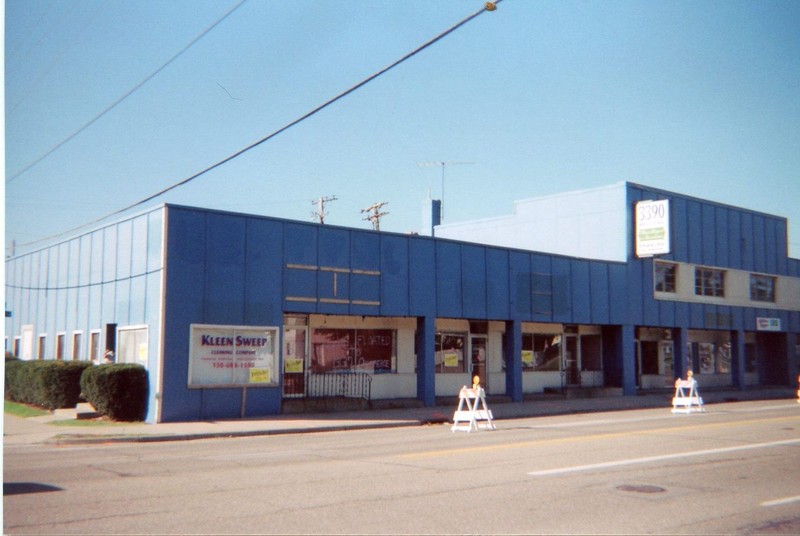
(94, 345)
(665, 276)
(709, 282)
(60, 340)
(42, 347)
(762, 288)
(76, 345)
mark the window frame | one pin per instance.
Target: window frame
(769, 296)
(664, 284)
(461, 352)
(709, 282)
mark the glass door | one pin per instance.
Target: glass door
(478, 344)
(572, 369)
(294, 362)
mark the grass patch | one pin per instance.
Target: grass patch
(23, 410)
(91, 423)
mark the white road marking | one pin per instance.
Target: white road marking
(779, 502)
(664, 457)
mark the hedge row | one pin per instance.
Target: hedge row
(118, 391)
(48, 384)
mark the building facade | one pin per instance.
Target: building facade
(234, 314)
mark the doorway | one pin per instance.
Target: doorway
(572, 371)
(478, 345)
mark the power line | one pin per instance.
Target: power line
(488, 6)
(127, 94)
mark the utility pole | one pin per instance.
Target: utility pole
(376, 215)
(443, 165)
(319, 214)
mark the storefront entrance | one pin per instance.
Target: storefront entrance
(478, 344)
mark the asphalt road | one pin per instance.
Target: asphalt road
(733, 469)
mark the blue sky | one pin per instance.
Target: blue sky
(701, 98)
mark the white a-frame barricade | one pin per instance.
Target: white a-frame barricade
(686, 399)
(472, 413)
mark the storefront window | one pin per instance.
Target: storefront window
(352, 350)
(541, 352)
(450, 348)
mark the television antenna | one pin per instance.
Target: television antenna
(376, 214)
(443, 165)
(319, 214)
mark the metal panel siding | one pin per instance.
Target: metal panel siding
(709, 235)
(366, 250)
(448, 280)
(562, 290)
(395, 281)
(598, 274)
(334, 247)
(497, 283)
(520, 282)
(541, 287)
(124, 248)
(759, 244)
(679, 229)
(300, 242)
(747, 241)
(155, 237)
(771, 246)
(695, 232)
(735, 239)
(473, 284)
(263, 273)
(618, 289)
(635, 290)
(225, 263)
(422, 280)
(781, 248)
(721, 239)
(580, 284)
(650, 307)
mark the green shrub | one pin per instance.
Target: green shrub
(13, 368)
(47, 384)
(117, 391)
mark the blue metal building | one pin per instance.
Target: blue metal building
(235, 314)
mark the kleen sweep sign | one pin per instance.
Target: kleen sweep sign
(652, 228)
(224, 356)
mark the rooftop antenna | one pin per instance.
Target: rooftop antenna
(319, 214)
(376, 215)
(443, 165)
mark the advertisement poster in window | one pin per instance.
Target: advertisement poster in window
(226, 356)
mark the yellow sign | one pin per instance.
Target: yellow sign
(527, 357)
(450, 359)
(259, 375)
(292, 364)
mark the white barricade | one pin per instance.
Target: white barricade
(686, 399)
(472, 413)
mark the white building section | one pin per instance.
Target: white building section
(590, 224)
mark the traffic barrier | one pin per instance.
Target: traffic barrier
(687, 399)
(476, 415)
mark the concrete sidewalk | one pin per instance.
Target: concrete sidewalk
(55, 429)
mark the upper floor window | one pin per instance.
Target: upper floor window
(665, 275)
(709, 282)
(762, 288)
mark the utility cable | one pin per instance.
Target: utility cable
(488, 6)
(127, 94)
